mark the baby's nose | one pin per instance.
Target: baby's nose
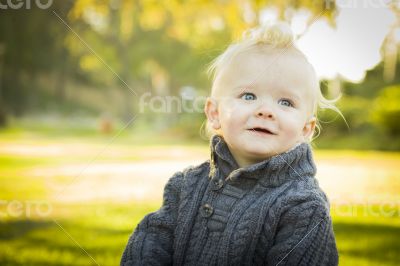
(265, 111)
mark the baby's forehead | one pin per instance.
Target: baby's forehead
(279, 67)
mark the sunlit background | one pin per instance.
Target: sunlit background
(101, 102)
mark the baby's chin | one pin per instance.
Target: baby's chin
(260, 153)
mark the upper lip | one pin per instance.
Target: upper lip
(265, 129)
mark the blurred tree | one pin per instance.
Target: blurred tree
(390, 46)
(31, 47)
(386, 109)
(365, 114)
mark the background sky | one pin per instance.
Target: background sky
(353, 46)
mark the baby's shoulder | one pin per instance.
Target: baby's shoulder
(304, 193)
(195, 170)
(191, 174)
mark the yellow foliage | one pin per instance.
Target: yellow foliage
(153, 17)
(80, 6)
(126, 20)
(89, 62)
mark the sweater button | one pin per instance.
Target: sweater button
(217, 184)
(206, 210)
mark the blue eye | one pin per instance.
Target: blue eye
(247, 96)
(285, 102)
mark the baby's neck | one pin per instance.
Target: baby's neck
(246, 162)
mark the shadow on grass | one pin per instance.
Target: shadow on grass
(17, 229)
(26, 242)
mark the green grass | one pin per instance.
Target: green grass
(101, 230)
(365, 236)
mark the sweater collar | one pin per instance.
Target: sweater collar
(293, 164)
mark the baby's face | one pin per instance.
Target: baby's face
(263, 105)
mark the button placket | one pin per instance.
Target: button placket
(206, 210)
(217, 184)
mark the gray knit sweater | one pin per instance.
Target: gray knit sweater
(269, 213)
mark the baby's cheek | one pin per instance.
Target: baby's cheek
(231, 116)
(294, 130)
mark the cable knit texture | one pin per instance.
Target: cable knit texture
(269, 213)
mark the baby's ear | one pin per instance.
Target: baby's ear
(211, 111)
(309, 128)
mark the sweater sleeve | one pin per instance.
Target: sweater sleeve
(304, 237)
(152, 241)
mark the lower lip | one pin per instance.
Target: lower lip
(260, 133)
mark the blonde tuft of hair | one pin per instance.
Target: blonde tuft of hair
(276, 36)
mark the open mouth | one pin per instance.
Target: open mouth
(262, 130)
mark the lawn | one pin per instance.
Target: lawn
(76, 200)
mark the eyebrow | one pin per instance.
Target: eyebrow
(243, 87)
(296, 96)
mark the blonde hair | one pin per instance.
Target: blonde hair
(274, 38)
